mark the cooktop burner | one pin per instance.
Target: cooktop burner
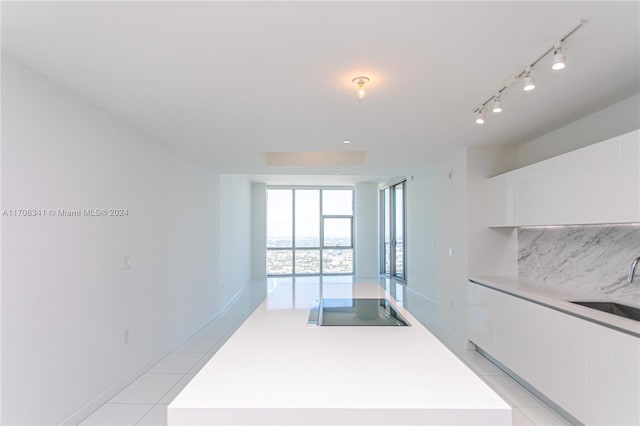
(354, 312)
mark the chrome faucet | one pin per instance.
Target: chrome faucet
(632, 269)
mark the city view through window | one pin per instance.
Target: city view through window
(309, 231)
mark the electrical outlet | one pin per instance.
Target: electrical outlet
(126, 262)
(125, 337)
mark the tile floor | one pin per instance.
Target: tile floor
(145, 401)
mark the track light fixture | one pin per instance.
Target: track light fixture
(559, 58)
(559, 63)
(497, 103)
(529, 82)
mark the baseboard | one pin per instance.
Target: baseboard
(89, 408)
(561, 411)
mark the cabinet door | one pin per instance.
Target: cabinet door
(501, 201)
(630, 187)
(513, 345)
(538, 199)
(590, 180)
(613, 377)
(481, 317)
(557, 358)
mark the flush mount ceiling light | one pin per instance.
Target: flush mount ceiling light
(360, 81)
(346, 141)
(559, 62)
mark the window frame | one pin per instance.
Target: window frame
(293, 248)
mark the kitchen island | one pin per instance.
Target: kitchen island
(275, 370)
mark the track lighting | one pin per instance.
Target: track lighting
(559, 58)
(497, 103)
(360, 82)
(529, 82)
(559, 62)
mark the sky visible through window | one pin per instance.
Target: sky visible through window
(330, 210)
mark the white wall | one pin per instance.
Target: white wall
(422, 265)
(491, 251)
(616, 119)
(66, 299)
(367, 227)
(437, 221)
(258, 230)
(447, 209)
(235, 234)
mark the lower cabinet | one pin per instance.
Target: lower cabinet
(557, 358)
(613, 377)
(590, 370)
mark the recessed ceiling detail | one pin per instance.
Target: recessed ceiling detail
(316, 158)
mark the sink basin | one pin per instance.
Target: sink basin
(613, 308)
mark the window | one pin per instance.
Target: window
(309, 231)
(392, 250)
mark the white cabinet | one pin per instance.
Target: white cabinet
(557, 358)
(501, 201)
(613, 377)
(599, 183)
(590, 370)
(482, 317)
(512, 322)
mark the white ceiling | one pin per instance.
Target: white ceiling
(226, 81)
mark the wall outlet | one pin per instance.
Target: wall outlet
(126, 262)
(125, 337)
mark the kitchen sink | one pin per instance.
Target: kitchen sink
(613, 308)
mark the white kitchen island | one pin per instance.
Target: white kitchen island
(275, 370)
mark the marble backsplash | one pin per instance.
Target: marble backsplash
(594, 259)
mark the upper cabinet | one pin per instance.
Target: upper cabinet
(596, 184)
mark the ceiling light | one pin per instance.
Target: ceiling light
(360, 82)
(497, 103)
(529, 82)
(559, 62)
(559, 58)
(346, 142)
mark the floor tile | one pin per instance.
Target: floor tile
(215, 330)
(203, 361)
(147, 389)
(512, 391)
(197, 344)
(480, 364)
(177, 363)
(156, 417)
(543, 416)
(518, 418)
(176, 389)
(118, 414)
(454, 344)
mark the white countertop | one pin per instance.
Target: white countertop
(558, 297)
(276, 370)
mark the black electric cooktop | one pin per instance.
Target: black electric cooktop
(355, 312)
